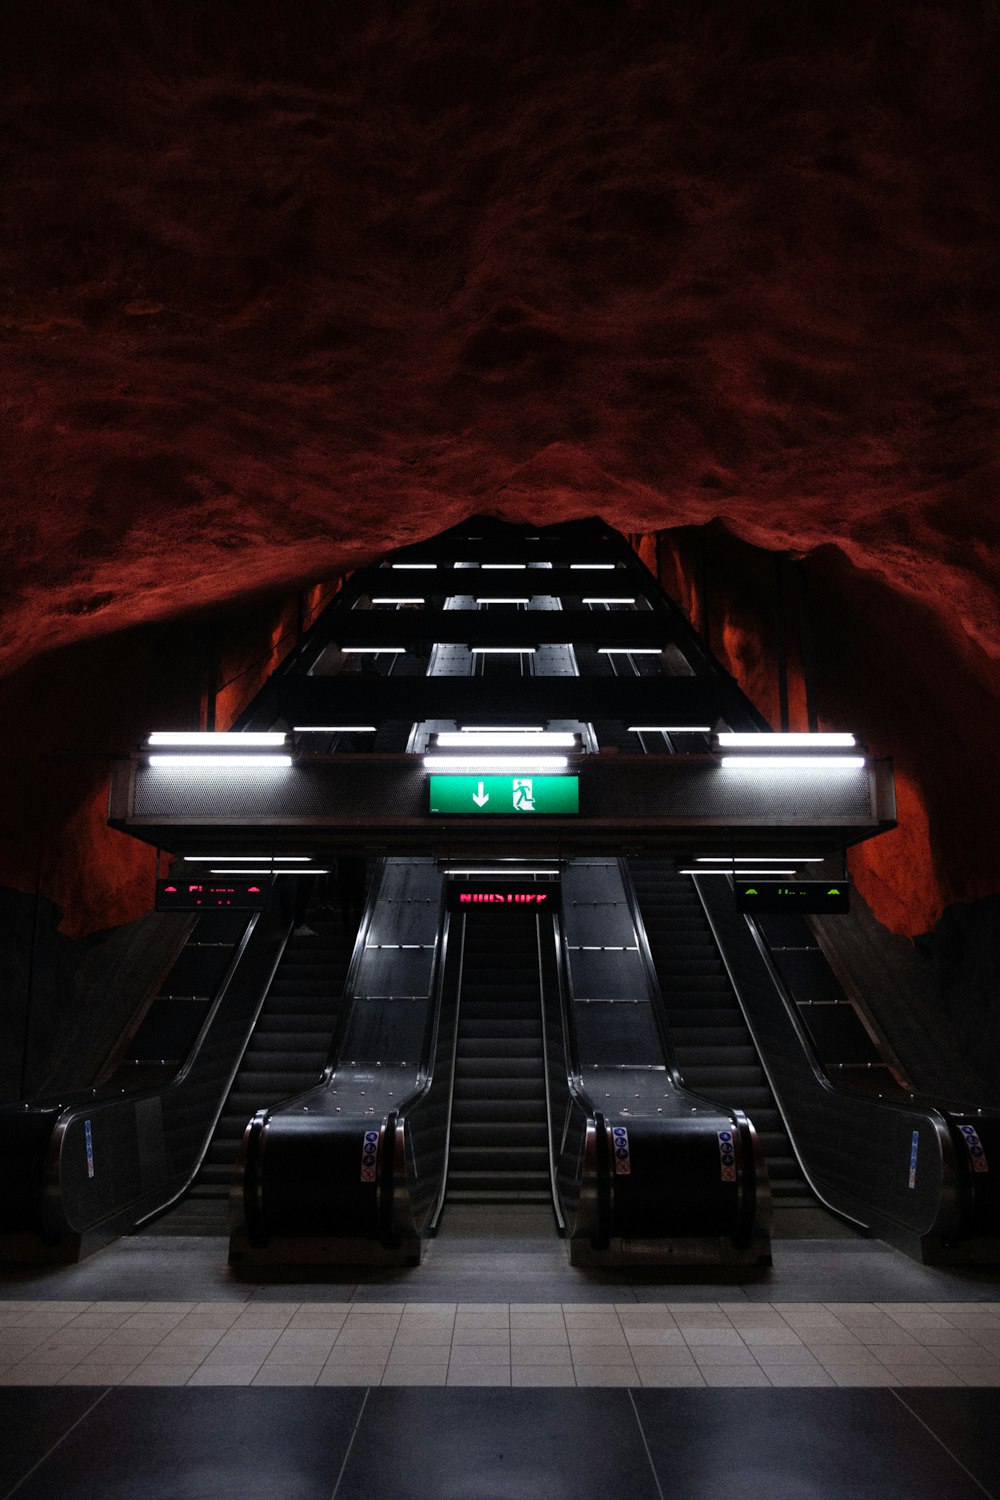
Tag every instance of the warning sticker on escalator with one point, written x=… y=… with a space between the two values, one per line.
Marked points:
x=727 y=1155
x=623 y=1165
x=368 y=1151
x=976 y=1151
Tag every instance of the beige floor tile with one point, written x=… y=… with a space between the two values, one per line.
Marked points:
x=415 y=1375
x=977 y=1374
x=883 y=1336
x=786 y=1357
x=325 y=1315
x=914 y=1375
x=357 y=1354
x=45 y=1320
x=680 y=1359
x=304 y=1341
x=540 y=1354
x=114 y=1306
x=480 y=1337
x=479 y=1375
x=894 y=1356
x=825 y=1338
x=469 y=1355
x=353 y=1375
x=732 y=1375
x=798 y=1375
x=944 y=1337
x=152 y=1323
x=286 y=1375
x=720 y=1337
x=722 y=1354
x=601 y=1354
x=667 y=1375
x=617 y=1375
x=424 y=1338
x=99 y=1320
x=167 y=1307
x=361 y=1338
x=213 y=1315
x=655 y=1337
x=425 y=1354
x=127 y=1338
x=192 y=1338
x=34 y=1374
x=97 y=1374
x=770 y=1338
x=526 y=1338
x=863 y=1375
x=542 y=1375
x=224 y=1375
x=160 y=1375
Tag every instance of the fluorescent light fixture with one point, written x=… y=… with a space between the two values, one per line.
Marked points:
x=753 y=741
x=505 y=738
x=504 y=567
x=267 y=872
x=505 y=728
x=598 y=567
x=219 y=762
x=741 y=872
x=630 y=650
x=207 y=859
x=503 y=601
x=763 y=859
x=793 y=762
x=512 y=764
x=609 y=601
x=241 y=739
x=500 y=874
x=670 y=729
x=413 y=567
x=502 y=650
x=372 y=650
x=399 y=601
x=334 y=728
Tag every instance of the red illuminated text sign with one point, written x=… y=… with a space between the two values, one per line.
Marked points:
x=469 y=898
x=526 y=895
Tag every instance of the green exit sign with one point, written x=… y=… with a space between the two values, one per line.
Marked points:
x=507 y=796
x=766 y=897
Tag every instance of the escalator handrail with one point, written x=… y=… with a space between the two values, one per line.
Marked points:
x=953 y=1181
x=656 y=1000
x=553 y=1161
x=348 y=993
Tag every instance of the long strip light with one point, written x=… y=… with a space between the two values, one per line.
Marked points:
x=334 y=728
x=669 y=728
x=504 y=567
x=501 y=874
x=734 y=740
x=629 y=650
x=208 y=859
x=491 y=728
x=597 y=567
x=740 y=873
x=792 y=762
x=408 y=600
x=762 y=859
x=499 y=763
x=219 y=762
x=465 y=739
x=503 y=650
x=267 y=872
x=372 y=650
x=503 y=601
x=608 y=601
x=412 y=567
x=242 y=738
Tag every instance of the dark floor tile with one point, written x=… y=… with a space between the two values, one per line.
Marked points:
x=518 y=1444
x=783 y=1445
x=32 y=1420
x=966 y=1423
x=227 y=1444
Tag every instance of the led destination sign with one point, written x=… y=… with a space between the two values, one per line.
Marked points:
x=505 y=796
x=770 y=896
x=522 y=895
x=210 y=895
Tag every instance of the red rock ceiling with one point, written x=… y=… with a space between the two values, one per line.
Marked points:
x=283 y=286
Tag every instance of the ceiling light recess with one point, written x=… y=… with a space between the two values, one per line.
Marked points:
x=504 y=739
x=763 y=859
x=408 y=600
x=208 y=859
x=372 y=650
x=241 y=739
x=629 y=650
x=503 y=650
x=591 y=600
x=219 y=762
x=739 y=740
x=334 y=728
x=506 y=728
x=511 y=764
x=792 y=762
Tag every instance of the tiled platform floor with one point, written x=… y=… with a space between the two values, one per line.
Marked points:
x=663 y=1343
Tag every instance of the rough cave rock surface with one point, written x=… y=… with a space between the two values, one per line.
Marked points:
x=282 y=287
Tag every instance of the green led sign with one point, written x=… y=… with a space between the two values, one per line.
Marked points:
x=770 y=896
x=505 y=796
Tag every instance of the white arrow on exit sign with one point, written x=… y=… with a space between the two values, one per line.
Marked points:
x=479 y=797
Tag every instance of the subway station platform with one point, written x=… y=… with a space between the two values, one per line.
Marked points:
x=496 y=1369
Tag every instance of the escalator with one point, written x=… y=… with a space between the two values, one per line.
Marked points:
x=286 y=1054
x=713 y=1048
x=499 y=1147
